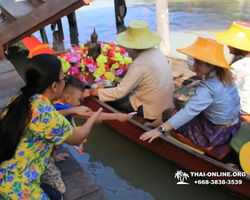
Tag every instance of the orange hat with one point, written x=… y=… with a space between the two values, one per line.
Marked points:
x=208 y=51
x=36 y=47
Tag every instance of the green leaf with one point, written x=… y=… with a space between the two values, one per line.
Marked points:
x=30 y=145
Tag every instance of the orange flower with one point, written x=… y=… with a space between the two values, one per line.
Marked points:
x=1 y=176
x=43 y=98
x=41 y=147
x=35 y=114
x=33 y=167
x=26 y=195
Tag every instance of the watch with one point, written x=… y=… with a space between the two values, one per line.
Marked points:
x=161 y=129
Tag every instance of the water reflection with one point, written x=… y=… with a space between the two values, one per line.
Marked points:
x=113 y=186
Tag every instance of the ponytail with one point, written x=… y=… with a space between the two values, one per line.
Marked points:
x=14 y=120
x=41 y=72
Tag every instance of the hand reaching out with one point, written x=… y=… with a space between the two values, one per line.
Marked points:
x=123 y=117
x=83 y=111
x=61 y=157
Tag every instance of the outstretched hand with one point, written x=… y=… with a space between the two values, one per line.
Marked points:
x=151 y=135
x=123 y=117
x=97 y=116
x=83 y=111
x=61 y=157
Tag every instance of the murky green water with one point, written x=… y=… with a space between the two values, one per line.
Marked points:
x=123 y=169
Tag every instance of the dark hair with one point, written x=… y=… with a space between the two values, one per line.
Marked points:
x=238 y=55
x=41 y=72
x=74 y=82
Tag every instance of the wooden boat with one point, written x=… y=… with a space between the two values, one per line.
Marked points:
x=188 y=158
x=171 y=149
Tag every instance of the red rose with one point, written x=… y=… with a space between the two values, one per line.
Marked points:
x=88 y=61
x=112 y=44
x=107 y=67
x=122 y=51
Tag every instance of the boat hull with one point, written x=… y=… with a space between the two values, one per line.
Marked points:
x=173 y=151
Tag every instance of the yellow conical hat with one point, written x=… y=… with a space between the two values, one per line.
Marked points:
x=138 y=36
x=208 y=51
x=245 y=157
x=238 y=36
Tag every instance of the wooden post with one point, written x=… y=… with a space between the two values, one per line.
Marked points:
x=44 y=36
x=163 y=25
x=60 y=29
x=2 y=56
x=72 y=19
x=73 y=31
x=120 y=11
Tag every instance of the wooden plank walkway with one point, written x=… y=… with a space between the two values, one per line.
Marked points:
x=41 y=16
x=10 y=80
x=79 y=185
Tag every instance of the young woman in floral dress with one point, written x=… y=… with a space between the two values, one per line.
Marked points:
x=30 y=127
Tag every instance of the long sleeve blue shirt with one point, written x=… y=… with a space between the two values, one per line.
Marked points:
x=220 y=104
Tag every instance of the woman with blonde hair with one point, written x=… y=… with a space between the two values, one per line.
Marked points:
x=212 y=116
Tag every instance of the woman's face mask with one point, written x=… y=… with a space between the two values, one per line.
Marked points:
x=190 y=62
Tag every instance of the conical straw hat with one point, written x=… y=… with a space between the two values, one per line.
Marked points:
x=245 y=157
x=208 y=51
x=238 y=36
x=138 y=36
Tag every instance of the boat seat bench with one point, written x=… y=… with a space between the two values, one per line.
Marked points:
x=217 y=152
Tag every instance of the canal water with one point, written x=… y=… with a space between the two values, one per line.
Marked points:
x=123 y=169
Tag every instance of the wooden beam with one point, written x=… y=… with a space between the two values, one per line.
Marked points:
x=36 y=2
x=7 y=15
x=17 y=9
x=162 y=15
x=2 y=56
x=42 y=16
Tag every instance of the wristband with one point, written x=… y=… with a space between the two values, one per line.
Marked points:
x=91 y=91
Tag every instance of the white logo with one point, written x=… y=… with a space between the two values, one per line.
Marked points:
x=182 y=177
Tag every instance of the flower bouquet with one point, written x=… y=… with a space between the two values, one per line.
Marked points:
x=109 y=66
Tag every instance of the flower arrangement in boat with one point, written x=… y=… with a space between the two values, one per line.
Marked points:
x=112 y=62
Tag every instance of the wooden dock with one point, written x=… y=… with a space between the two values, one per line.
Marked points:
x=10 y=80
x=79 y=185
x=23 y=18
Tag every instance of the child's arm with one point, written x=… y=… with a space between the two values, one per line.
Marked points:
x=115 y=116
x=82 y=111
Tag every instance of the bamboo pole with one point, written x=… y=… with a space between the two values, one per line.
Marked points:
x=163 y=25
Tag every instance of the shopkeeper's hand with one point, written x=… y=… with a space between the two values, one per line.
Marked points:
x=151 y=135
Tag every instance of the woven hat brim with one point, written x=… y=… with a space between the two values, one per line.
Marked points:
x=138 y=44
x=232 y=42
x=189 y=51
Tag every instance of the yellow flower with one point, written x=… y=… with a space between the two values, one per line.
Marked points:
x=118 y=57
x=99 y=72
x=127 y=60
x=110 y=76
x=65 y=64
x=101 y=60
x=115 y=66
x=106 y=47
x=82 y=65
